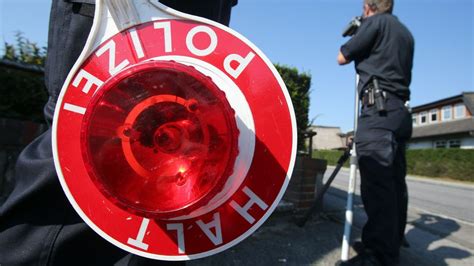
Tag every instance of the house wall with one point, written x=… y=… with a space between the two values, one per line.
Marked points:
x=467 y=142
x=327 y=138
x=423 y=144
x=417 y=115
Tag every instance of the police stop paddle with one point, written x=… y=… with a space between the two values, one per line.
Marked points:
x=174 y=137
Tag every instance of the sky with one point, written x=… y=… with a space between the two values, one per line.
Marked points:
x=306 y=34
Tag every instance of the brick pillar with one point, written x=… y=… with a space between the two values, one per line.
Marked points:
x=306 y=181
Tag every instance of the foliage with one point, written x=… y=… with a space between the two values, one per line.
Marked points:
x=23 y=94
x=298 y=85
x=450 y=163
x=25 y=51
x=332 y=156
x=438 y=163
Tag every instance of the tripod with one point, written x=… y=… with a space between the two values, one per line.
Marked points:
x=340 y=163
x=350 y=152
x=352 y=181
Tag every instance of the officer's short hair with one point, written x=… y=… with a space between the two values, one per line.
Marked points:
x=381 y=6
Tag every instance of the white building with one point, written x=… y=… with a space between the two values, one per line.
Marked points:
x=328 y=138
x=446 y=123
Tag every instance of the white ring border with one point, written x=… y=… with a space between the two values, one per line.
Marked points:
x=89 y=46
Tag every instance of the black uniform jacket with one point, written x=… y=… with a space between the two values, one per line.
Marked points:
x=383 y=48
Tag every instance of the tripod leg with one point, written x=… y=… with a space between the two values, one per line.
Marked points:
x=326 y=186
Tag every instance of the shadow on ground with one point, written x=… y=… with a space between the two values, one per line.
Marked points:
x=425 y=237
x=280 y=241
x=430 y=236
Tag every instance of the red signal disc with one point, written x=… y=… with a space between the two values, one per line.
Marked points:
x=216 y=216
x=159 y=139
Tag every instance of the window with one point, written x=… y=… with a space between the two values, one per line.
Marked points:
x=455 y=143
x=434 y=115
x=459 y=111
x=439 y=144
x=414 y=119
x=423 y=118
x=447 y=113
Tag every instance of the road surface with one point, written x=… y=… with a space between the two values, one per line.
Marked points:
x=440 y=216
x=453 y=200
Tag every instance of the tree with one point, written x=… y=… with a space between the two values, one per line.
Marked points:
x=22 y=89
x=24 y=51
x=23 y=93
x=298 y=85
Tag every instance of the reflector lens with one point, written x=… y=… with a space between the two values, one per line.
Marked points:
x=159 y=139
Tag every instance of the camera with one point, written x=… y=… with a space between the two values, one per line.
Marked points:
x=352 y=26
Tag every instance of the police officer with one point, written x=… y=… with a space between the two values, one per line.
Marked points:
x=382 y=49
x=38 y=226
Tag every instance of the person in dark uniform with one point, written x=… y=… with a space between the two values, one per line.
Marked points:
x=38 y=226
x=382 y=49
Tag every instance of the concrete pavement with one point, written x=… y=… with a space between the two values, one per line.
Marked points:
x=435 y=239
x=280 y=242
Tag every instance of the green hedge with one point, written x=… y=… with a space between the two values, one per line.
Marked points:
x=329 y=155
x=23 y=94
x=22 y=90
x=450 y=163
x=444 y=163
x=298 y=84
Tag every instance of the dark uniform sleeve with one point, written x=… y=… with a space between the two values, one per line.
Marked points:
x=217 y=10
x=360 y=45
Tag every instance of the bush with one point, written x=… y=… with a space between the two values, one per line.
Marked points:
x=298 y=85
x=331 y=156
x=22 y=89
x=25 y=51
x=439 y=163
x=451 y=163
x=23 y=94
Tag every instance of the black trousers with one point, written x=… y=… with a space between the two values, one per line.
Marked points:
x=381 y=142
x=38 y=226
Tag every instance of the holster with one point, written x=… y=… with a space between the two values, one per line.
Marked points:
x=374 y=95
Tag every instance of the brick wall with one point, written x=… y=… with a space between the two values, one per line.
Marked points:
x=306 y=182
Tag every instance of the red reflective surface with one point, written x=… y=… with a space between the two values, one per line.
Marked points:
x=159 y=139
